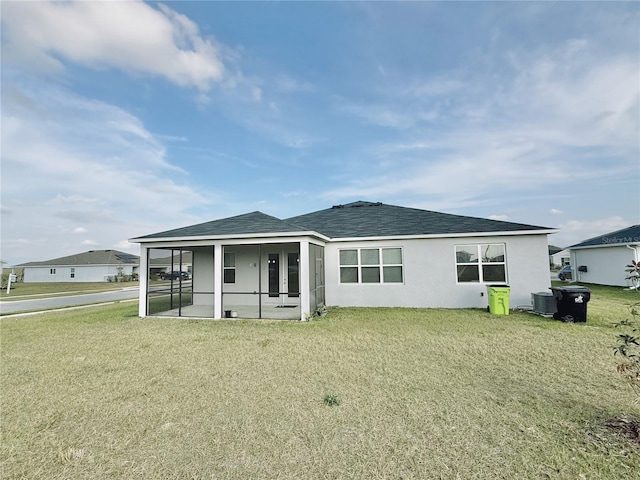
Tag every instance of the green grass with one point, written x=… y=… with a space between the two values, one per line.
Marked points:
x=359 y=393
x=607 y=304
x=18 y=291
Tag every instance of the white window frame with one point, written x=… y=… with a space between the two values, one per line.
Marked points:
x=380 y=265
x=52 y=271
x=480 y=263
x=72 y=273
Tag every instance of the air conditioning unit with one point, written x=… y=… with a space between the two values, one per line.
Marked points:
x=544 y=303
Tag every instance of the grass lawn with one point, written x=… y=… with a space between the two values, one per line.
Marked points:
x=19 y=291
x=415 y=393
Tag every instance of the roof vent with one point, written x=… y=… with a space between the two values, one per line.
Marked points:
x=362 y=203
x=338 y=206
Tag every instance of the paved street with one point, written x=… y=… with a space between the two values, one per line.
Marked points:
x=7 y=308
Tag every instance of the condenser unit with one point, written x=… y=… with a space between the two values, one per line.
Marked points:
x=544 y=303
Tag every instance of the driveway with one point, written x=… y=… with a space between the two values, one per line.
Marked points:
x=7 y=308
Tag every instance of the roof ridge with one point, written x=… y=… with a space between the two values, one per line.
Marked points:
x=112 y=257
x=353 y=220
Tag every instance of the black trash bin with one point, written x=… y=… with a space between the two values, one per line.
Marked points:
x=572 y=303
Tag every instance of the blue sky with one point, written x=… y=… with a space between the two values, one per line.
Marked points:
x=121 y=119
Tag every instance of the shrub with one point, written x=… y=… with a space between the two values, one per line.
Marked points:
x=628 y=348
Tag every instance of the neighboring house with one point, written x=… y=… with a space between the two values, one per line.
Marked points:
x=603 y=259
x=558 y=256
x=91 y=266
x=170 y=263
x=360 y=254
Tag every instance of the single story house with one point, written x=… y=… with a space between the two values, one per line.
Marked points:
x=360 y=254
x=602 y=259
x=558 y=256
x=161 y=265
x=91 y=266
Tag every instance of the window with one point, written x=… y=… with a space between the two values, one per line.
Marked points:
x=371 y=265
x=73 y=272
x=52 y=271
x=229 y=267
x=482 y=263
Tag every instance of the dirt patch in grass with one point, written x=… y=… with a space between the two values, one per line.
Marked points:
x=625 y=427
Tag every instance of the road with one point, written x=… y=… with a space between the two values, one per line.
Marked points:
x=7 y=308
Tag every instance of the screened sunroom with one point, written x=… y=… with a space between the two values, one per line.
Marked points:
x=233 y=279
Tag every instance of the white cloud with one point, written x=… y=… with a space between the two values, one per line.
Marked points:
x=288 y=84
x=131 y=36
x=256 y=94
x=381 y=115
x=555 y=211
x=553 y=120
x=576 y=231
x=88 y=163
x=503 y=218
x=125 y=245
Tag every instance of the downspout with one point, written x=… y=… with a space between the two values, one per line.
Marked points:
x=635 y=258
x=143 y=280
x=260 y=280
x=179 y=286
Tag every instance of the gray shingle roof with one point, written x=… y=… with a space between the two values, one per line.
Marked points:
x=625 y=236
x=553 y=249
x=249 y=223
x=368 y=219
x=92 y=257
x=187 y=257
x=357 y=219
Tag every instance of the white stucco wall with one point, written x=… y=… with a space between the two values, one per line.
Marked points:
x=84 y=273
x=247 y=275
x=202 y=276
x=430 y=278
x=246 y=266
x=558 y=257
x=605 y=265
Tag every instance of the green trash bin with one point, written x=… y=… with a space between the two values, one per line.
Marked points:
x=499 y=299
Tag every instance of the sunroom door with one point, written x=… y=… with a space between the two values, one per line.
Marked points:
x=282 y=277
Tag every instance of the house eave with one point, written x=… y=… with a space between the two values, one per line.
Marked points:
x=444 y=235
x=258 y=236
x=55 y=265
x=606 y=245
x=248 y=236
